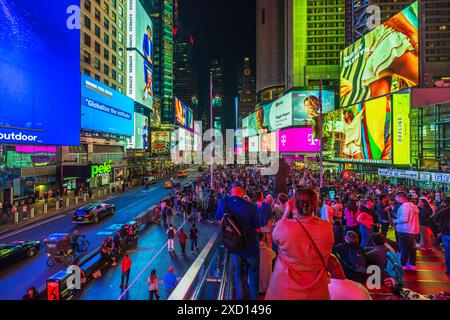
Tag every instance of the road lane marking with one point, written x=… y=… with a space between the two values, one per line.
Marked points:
x=38 y=224
x=148 y=264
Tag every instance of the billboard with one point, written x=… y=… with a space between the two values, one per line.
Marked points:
x=139 y=54
x=385 y=60
x=160 y=142
x=253 y=144
x=297 y=140
x=295 y=108
x=181 y=113
x=141 y=130
x=155 y=116
x=401 y=129
x=39 y=73
x=104 y=109
x=268 y=142
x=366 y=134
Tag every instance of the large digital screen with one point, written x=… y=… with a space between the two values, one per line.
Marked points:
x=160 y=142
x=268 y=142
x=141 y=130
x=298 y=140
x=104 y=109
x=253 y=144
x=39 y=73
x=181 y=113
x=295 y=108
x=401 y=129
x=385 y=60
x=140 y=53
x=366 y=133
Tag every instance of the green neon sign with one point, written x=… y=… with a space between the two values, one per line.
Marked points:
x=98 y=170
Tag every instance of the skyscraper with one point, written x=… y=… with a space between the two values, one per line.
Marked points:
x=103 y=45
x=435 y=49
x=315 y=35
x=247 y=92
x=162 y=17
x=185 y=79
x=270 y=50
x=216 y=70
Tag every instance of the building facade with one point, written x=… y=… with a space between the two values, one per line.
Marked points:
x=247 y=91
x=162 y=17
x=315 y=35
x=103 y=43
x=216 y=68
x=270 y=49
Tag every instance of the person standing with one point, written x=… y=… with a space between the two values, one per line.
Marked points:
x=326 y=212
x=425 y=213
x=407 y=227
x=152 y=282
x=267 y=255
x=442 y=218
x=182 y=238
x=193 y=236
x=304 y=246
x=246 y=264
x=383 y=211
x=367 y=221
x=126 y=267
x=170 y=281
x=171 y=231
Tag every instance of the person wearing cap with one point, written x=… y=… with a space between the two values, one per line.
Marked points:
x=352 y=257
x=170 y=281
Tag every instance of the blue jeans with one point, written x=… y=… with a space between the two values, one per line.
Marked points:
x=365 y=235
x=246 y=268
x=446 y=242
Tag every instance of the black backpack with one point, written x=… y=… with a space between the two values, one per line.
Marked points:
x=357 y=260
x=171 y=234
x=234 y=236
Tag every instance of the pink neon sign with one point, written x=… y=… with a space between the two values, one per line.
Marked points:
x=35 y=149
x=298 y=140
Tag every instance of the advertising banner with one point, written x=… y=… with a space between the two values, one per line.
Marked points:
x=298 y=140
x=160 y=142
x=104 y=109
x=253 y=144
x=366 y=134
x=181 y=113
x=268 y=142
x=140 y=138
x=306 y=106
x=39 y=73
x=139 y=54
x=384 y=61
x=401 y=129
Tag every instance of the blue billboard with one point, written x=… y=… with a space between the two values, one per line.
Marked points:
x=39 y=72
x=104 y=109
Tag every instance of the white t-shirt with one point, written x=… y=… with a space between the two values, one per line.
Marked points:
x=347 y=290
x=352 y=131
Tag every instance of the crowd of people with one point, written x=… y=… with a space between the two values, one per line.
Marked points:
x=309 y=243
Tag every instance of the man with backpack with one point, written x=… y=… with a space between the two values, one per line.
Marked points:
x=240 y=233
x=352 y=258
x=171 y=231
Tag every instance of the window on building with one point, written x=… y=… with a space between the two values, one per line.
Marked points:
x=114 y=17
x=87 y=5
x=106 y=82
x=97 y=15
x=106 y=54
x=106 y=8
x=120 y=37
x=114 y=3
x=121 y=52
x=120 y=79
x=106 y=39
x=87 y=40
x=120 y=24
x=114 y=31
x=87 y=72
x=87 y=57
x=106 y=24
x=113 y=60
x=114 y=86
x=106 y=69
x=97 y=31
x=120 y=10
x=113 y=45
x=97 y=47
x=97 y=77
x=87 y=22
x=97 y=64
x=121 y=65
x=113 y=74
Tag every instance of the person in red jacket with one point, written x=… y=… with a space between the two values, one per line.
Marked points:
x=183 y=239
x=126 y=266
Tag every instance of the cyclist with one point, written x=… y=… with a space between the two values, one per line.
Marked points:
x=75 y=241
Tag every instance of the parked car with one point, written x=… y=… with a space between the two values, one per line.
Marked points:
x=16 y=251
x=93 y=212
x=182 y=174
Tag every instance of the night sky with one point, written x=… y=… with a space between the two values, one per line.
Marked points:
x=221 y=28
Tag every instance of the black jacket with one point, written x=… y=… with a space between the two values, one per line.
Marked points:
x=442 y=218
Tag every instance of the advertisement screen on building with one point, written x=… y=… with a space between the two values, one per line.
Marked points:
x=384 y=61
x=253 y=144
x=306 y=106
x=39 y=73
x=140 y=137
x=140 y=54
x=298 y=140
x=401 y=129
x=155 y=115
x=366 y=134
x=181 y=113
x=104 y=109
x=268 y=142
x=160 y=142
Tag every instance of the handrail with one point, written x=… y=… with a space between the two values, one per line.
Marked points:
x=224 y=282
x=186 y=289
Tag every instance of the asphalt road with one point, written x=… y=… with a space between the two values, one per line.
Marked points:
x=15 y=279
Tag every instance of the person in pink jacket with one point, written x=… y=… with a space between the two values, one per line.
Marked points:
x=304 y=245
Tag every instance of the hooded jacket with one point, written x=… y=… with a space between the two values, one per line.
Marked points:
x=407 y=219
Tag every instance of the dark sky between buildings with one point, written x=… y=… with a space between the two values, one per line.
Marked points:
x=221 y=28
